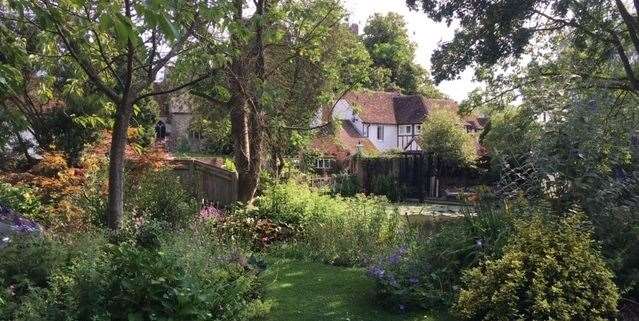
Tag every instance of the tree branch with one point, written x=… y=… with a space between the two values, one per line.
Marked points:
x=321 y=111
x=630 y=22
x=176 y=88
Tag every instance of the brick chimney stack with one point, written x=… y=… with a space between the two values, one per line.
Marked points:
x=355 y=29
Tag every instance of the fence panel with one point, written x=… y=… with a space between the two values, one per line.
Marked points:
x=210 y=183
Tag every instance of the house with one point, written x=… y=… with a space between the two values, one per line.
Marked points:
x=373 y=122
x=176 y=115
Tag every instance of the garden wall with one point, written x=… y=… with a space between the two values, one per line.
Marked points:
x=208 y=182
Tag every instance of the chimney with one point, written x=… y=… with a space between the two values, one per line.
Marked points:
x=354 y=28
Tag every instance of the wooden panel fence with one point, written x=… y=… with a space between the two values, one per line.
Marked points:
x=211 y=184
x=414 y=175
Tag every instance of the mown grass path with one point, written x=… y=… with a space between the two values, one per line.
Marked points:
x=307 y=291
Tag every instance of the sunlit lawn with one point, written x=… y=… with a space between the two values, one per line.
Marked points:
x=306 y=291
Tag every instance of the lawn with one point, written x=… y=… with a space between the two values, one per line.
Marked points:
x=306 y=291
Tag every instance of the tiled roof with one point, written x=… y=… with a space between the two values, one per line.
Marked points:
x=373 y=106
x=394 y=108
x=344 y=143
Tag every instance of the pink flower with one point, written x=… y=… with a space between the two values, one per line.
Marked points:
x=210 y=212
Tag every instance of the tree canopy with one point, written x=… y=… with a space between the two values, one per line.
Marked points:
x=492 y=32
x=443 y=135
x=393 y=54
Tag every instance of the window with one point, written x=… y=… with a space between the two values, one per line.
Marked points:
x=380 y=132
x=365 y=130
x=408 y=129
x=324 y=163
x=418 y=128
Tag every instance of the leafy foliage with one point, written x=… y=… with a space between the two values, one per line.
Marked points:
x=393 y=54
x=188 y=276
x=425 y=270
x=491 y=33
x=443 y=135
x=22 y=199
x=336 y=230
x=548 y=271
x=345 y=184
x=151 y=200
x=385 y=185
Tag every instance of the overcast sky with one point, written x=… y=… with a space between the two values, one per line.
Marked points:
x=423 y=31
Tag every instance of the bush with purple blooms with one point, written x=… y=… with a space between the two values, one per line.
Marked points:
x=425 y=271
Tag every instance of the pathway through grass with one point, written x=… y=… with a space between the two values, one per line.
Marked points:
x=305 y=291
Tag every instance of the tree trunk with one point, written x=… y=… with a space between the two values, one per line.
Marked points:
x=246 y=128
x=115 y=209
x=255 y=144
x=246 y=162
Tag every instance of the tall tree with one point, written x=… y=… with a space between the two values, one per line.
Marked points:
x=121 y=47
x=386 y=38
x=288 y=59
x=492 y=32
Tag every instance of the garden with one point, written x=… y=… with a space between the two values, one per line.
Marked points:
x=95 y=224
x=298 y=252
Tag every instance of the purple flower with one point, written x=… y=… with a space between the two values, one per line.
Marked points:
x=413 y=280
x=376 y=271
x=392 y=281
x=402 y=308
x=397 y=255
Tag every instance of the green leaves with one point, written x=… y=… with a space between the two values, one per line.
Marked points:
x=443 y=134
x=10 y=79
x=386 y=39
x=168 y=28
x=156 y=16
x=122 y=27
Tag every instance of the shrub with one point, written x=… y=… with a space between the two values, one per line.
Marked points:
x=189 y=276
x=360 y=231
x=93 y=197
x=28 y=265
x=385 y=185
x=443 y=135
x=55 y=185
x=345 y=184
x=426 y=269
x=21 y=199
x=336 y=230
x=28 y=262
x=51 y=165
x=549 y=271
x=292 y=202
x=159 y=196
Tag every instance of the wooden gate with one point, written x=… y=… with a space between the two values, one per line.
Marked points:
x=413 y=174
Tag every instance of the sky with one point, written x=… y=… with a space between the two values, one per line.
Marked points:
x=424 y=32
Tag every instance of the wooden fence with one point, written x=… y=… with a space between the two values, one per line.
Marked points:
x=414 y=175
x=208 y=182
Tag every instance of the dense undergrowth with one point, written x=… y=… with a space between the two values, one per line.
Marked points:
x=174 y=259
